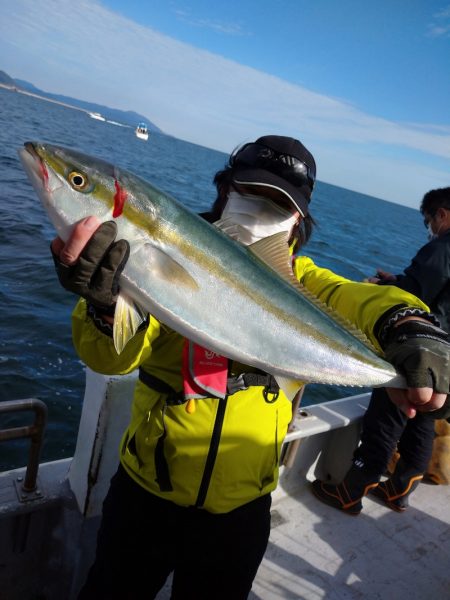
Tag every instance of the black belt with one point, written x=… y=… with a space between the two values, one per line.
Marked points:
x=234 y=384
x=154 y=383
x=246 y=380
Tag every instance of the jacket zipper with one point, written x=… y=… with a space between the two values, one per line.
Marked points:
x=212 y=453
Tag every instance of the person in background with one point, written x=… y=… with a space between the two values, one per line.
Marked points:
x=385 y=428
x=428 y=275
x=192 y=494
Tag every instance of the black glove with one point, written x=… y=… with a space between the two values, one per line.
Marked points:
x=421 y=352
x=95 y=276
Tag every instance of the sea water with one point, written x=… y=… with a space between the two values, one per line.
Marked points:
x=355 y=234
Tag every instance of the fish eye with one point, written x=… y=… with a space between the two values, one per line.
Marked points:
x=78 y=181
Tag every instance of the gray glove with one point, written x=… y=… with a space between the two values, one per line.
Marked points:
x=95 y=276
x=421 y=352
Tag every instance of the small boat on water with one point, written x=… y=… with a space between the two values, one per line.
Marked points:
x=141 y=131
x=96 y=115
x=50 y=512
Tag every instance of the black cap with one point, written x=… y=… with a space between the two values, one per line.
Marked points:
x=279 y=162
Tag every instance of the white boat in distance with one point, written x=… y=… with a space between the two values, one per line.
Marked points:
x=96 y=115
x=141 y=131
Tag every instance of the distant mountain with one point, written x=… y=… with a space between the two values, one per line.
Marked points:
x=6 y=79
x=127 y=117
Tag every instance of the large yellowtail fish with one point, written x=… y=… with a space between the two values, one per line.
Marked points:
x=241 y=302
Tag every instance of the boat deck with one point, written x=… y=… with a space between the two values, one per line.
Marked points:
x=316 y=552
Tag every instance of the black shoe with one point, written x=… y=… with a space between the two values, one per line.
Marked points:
x=347 y=496
x=395 y=491
x=337 y=497
x=397 y=504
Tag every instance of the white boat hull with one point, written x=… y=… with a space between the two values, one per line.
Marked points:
x=97 y=116
x=141 y=136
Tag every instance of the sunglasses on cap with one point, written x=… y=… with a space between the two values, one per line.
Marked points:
x=284 y=165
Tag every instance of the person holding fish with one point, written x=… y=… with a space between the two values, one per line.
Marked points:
x=227 y=321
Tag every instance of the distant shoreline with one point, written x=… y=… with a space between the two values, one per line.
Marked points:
x=13 y=88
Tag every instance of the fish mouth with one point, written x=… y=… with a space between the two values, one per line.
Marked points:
x=33 y=164
x=31 y=149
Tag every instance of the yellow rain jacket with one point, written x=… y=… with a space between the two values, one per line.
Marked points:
x=226 y=453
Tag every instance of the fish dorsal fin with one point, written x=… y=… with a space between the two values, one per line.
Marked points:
x=127 y=319
x=339 y=319
x=274 y=251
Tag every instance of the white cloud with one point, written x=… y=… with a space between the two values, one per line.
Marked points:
x=440 y=27
x=86 y=51
x=233 y=29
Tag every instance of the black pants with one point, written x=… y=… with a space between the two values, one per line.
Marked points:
x=385 y=428
x=143 y=538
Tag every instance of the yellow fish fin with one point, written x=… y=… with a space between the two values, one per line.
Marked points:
x=274 y=251
x=289 y=386
x=127 y=319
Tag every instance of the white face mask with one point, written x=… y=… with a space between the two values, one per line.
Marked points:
x=248 y=218
x=430 y=233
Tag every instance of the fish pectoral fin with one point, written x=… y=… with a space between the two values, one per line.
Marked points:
x=290 y=387
x=163 y=266
x=127 y=319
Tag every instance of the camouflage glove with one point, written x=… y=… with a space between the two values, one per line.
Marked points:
x=95 y=276
x=421 y=352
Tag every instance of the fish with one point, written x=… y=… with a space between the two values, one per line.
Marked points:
x=242 y=302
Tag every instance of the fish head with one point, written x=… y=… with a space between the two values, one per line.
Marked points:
x=72 y=185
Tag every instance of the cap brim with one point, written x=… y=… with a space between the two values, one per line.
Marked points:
x=266 y=178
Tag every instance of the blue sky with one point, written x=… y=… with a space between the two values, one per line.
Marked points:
x=364 y=85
